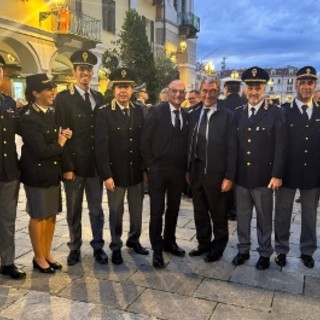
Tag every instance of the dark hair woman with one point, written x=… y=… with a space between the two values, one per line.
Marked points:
x=42 y=157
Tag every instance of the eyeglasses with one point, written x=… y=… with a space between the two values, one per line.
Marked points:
x=175 y=91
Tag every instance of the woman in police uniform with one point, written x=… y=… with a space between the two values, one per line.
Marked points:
x=41 y=167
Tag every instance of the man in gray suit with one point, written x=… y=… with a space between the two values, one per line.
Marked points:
x=9 y=183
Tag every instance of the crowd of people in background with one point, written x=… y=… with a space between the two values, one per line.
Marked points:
x=238 y=154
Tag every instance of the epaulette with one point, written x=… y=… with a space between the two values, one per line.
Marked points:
x=71 y=88
x=35 y=107
x=241 y=107
x=102 y=107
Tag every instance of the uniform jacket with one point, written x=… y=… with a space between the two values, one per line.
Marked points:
x=41 y=155
x=156 y=140
x=302 y=168
x=73 y=113
x=118 y=144
x=221 y=151
x=8 y=128
x=233 y=101
x=261 y=146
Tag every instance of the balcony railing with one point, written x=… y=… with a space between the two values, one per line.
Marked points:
x=189 y=19
x=69 y=22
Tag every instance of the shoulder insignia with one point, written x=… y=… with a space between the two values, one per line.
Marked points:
x=102 y=107
x=71 y=88
x=35 y=108
x=113 y=104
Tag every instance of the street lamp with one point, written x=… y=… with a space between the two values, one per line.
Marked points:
x=209 y=67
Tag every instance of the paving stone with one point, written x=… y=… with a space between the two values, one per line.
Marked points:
x=42 y=282
x=39 y=306
x=107 y=293
x=220 y=270
x=268 y=279
x=297 y=306
x=228 y=292
x=99 y=313
x=312 y=286
x=166 y=280
x=230 y=312
x=165 y=305
x=296 y=265
x=9 y=295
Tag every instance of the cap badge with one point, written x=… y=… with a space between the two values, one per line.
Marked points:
x=308 y=71
x=254 y=72
x=123 y=73
x=85 y=56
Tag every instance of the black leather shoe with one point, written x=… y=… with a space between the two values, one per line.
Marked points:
x=240 y=258
x=137 y=247
x=281 y=259
x=263 y=263
x=197 y=252
x=73 y=257
x=55 y=265
x=157 y=260
x=116 y=257
x=100 y=256
x=213 y=256
x=42 y=270
x=13 y=272
x=174 y=249
x=307 y=260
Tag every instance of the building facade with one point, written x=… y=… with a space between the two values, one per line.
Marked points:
x=40 y=35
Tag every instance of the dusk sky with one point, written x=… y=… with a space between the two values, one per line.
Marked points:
x=267 y=33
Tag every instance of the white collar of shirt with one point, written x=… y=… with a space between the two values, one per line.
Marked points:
x=309 y=104
x=212 y=110
x=44 y=110
x=123 y=107
x=257 y=107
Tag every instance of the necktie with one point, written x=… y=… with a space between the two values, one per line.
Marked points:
x=253 y=111
x=126 y=114
x=87 y=100
x=202 y=139
x=177 y=122
x=304 y=112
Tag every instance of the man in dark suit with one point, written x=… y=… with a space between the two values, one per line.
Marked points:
x=164 y=149
x=302 y=169
x=9 y=182
x=212 y=164
x=261 y=156
x=75 y=110
x=117 y=135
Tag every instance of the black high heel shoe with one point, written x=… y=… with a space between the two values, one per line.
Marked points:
x=55 y=265
x=42 y=270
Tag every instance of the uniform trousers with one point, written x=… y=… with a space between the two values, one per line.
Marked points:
x=261 y=199
x=283 y=214
x=8 y=205
x=164 y=181
x=116 y=208
x=210 y=213
x=93 y=187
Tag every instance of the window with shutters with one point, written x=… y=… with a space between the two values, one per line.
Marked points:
x=109 y=15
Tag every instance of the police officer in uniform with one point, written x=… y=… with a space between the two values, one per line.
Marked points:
x=117 y=135
x=9 y=182
x=302 y=169
x=75 y=110
x=261 y=156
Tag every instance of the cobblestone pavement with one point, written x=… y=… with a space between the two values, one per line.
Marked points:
x=188 y=288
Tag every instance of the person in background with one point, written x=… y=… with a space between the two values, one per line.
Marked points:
x=194 y=99
x=164 y=150
x=163 y=95
x=9 y=182
x=211 y=167
x=232 y=89
x=302 y=170
x=118 y=129
x=75 y=110
x=316 y=96
x=260 y=166
x=41 y=167
x=142 y=97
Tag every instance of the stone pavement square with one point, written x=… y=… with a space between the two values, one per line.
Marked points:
x=188 y=288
